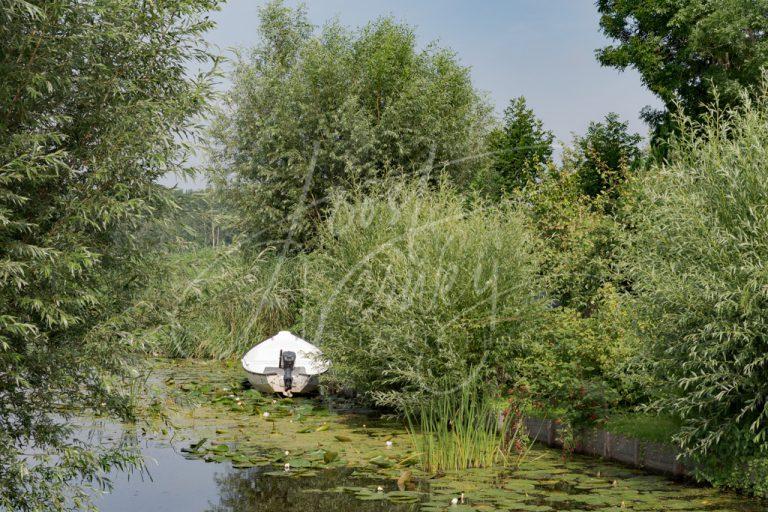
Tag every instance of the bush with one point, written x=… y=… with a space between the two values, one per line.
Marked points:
x=698 y=265
x=580 y=239
x=413 y=284
x=582 y=358
x=580 y=366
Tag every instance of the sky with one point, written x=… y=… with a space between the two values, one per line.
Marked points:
x=541 y=49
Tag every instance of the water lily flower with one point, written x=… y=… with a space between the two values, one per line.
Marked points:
x=266 y=414
x=380 y=489
x=287 y=467
x=389 y=444
x=287 y=452
x=455 y=501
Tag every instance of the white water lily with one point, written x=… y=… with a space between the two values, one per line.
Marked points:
x=266 y=414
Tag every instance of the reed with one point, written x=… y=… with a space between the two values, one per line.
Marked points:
x=463 y=427
x=211 y=303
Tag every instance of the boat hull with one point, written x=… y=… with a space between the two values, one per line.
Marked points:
x=273 y=383
x=266 y=366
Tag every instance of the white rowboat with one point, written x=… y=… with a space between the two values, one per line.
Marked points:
x=284 y=364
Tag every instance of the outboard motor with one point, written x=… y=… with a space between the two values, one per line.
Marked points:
x=287 y=360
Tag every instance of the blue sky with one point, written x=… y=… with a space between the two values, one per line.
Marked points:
x=541 y=49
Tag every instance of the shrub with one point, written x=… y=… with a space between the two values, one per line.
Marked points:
x=698 y=265
x=413 y=284
x=580 y=365
x=580 y=239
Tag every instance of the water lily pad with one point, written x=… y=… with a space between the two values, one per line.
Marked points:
x=194 y=447
x=381 y=461
x=403 y=496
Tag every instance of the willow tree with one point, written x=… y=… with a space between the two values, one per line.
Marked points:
x=311 y=111
x=697 y=263
x=95 y=97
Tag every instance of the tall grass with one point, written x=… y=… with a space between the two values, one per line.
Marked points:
x=463 y=428
x=212 y=303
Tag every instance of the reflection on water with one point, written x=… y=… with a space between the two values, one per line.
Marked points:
x=175 y=483
x=171 y=483
x=250 y=490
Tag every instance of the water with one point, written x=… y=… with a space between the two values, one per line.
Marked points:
x=546 y=483
x=173 y=480
x=335 y=464
x=179 y=484
x=171 y=483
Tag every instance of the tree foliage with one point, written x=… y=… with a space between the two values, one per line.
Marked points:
x=698 y=267
x=94 y=96
x=687 y=51
x=520 y=150
x=311 y=111
x=604 y=156
x=197 y=219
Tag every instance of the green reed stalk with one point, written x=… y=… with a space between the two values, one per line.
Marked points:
x=461 y=428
